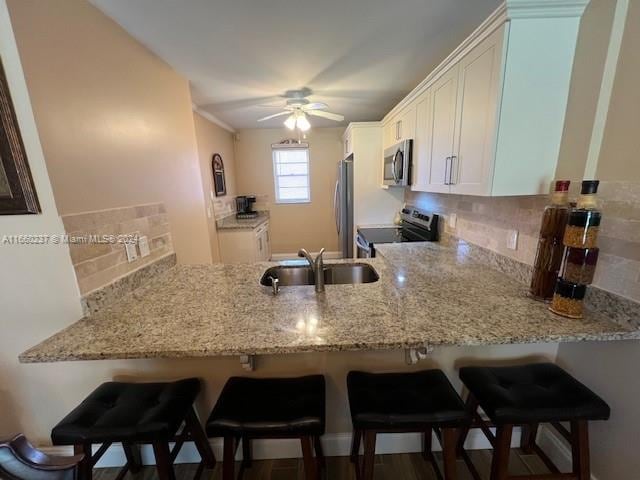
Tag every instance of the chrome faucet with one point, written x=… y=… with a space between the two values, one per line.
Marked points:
x=317 y=267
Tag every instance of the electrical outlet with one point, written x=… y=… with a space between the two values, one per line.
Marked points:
x=453 y=220
x=132 y=252
x=143 y=245
x=512 y=240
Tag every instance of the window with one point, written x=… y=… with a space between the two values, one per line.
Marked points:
x=291 y=174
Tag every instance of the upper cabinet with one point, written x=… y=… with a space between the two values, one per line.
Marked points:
x=489 y=120
x=400 y=127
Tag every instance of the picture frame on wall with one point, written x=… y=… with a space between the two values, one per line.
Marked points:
x=219 y=182
x=17 y=191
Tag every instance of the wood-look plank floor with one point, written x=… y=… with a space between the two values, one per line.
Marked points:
x=409 y=466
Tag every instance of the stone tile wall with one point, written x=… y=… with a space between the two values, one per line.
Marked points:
x=487 y=222
x=100 y=264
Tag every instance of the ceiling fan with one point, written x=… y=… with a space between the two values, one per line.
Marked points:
x=298 y=107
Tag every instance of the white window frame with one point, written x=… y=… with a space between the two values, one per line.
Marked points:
x=300 y=147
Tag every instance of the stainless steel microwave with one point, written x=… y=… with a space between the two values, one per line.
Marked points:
x=397 y=164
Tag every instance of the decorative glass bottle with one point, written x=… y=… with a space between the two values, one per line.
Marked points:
x=580 y=240
x=549 y=255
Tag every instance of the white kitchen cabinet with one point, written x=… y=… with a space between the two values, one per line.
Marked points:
x=471 y=165
x=422 y=142
x=390 y=132
x=442 y=130
x=245 y=245
x=489 y=119
x=347 y=143
x=400 y=127
x=407 y=127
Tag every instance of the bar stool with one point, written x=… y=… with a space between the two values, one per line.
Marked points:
x=250 y=408
x=528 y=395
x=19 y=460
x=133 y=414
x=405 y=402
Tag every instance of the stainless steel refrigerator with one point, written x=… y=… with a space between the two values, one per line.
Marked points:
x=343 y=206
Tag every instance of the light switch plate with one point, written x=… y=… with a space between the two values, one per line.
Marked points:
x=143 y=245
x=453 y=220
x=132 y=252
x=512 y=240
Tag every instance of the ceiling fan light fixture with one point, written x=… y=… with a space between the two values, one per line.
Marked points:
x=290 y=122
x=302 y=123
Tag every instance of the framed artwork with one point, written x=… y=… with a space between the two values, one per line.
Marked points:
x=17 y=192
x=219 y=183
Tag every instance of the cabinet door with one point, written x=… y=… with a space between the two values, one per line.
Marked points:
x=389 y=133
x=422 y=143
x=348 y=147
x=407 y=125
x=443 y=119
x=479 y=73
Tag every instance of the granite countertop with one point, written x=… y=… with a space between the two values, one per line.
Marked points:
x=233 y=223
x=427 y=294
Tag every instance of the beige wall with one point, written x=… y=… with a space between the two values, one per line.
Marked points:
x=586 y=77
x=115 y=121
x=620 y=154
x=293 y=226
x=212 y=138
x=611 y=368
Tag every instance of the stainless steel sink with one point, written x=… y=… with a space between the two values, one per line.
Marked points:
x=337 y=273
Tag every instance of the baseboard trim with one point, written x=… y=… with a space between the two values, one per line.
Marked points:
x=278 y=257
x=335 y=444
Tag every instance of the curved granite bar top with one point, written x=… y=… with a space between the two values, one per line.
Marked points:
x=427 y=294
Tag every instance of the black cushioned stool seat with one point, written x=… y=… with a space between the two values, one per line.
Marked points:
x=532 y=393
x=251 y=408
x=134 y=413
x=404 y=402
x=528 y=395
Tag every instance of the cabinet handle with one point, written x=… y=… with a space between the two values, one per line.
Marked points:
x=451 y=182
x=447 y=173
x=399 y=129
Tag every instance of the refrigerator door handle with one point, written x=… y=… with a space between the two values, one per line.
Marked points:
x=336 y=206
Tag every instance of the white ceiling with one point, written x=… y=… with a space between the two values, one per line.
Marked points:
x=358 y=56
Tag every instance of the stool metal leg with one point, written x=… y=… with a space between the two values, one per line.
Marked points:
x=132 y=452
x=501 y=450
x=449 y=438
x=427 y=446
x=85 y=470
x=317 y=445
x=369 y=454
x=355 y=445
x=310 y=465
x=247 y=452
x=471 y=405
x=228 y=459
x=528 y=438
x=164 y=464
x=200 y=439
x=580 y=449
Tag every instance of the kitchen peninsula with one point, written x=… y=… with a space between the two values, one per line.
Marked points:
x=436 y=294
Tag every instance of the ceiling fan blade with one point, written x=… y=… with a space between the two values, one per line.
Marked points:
x=269 y=117
x=331 y=116
x=315 y=106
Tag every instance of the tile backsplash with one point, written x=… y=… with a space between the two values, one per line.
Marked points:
x=99 y=264
x=489 y=222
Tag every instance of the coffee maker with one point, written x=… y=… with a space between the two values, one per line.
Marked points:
x=244 y=207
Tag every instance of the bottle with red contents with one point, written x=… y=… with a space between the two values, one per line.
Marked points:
x=550 y=248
